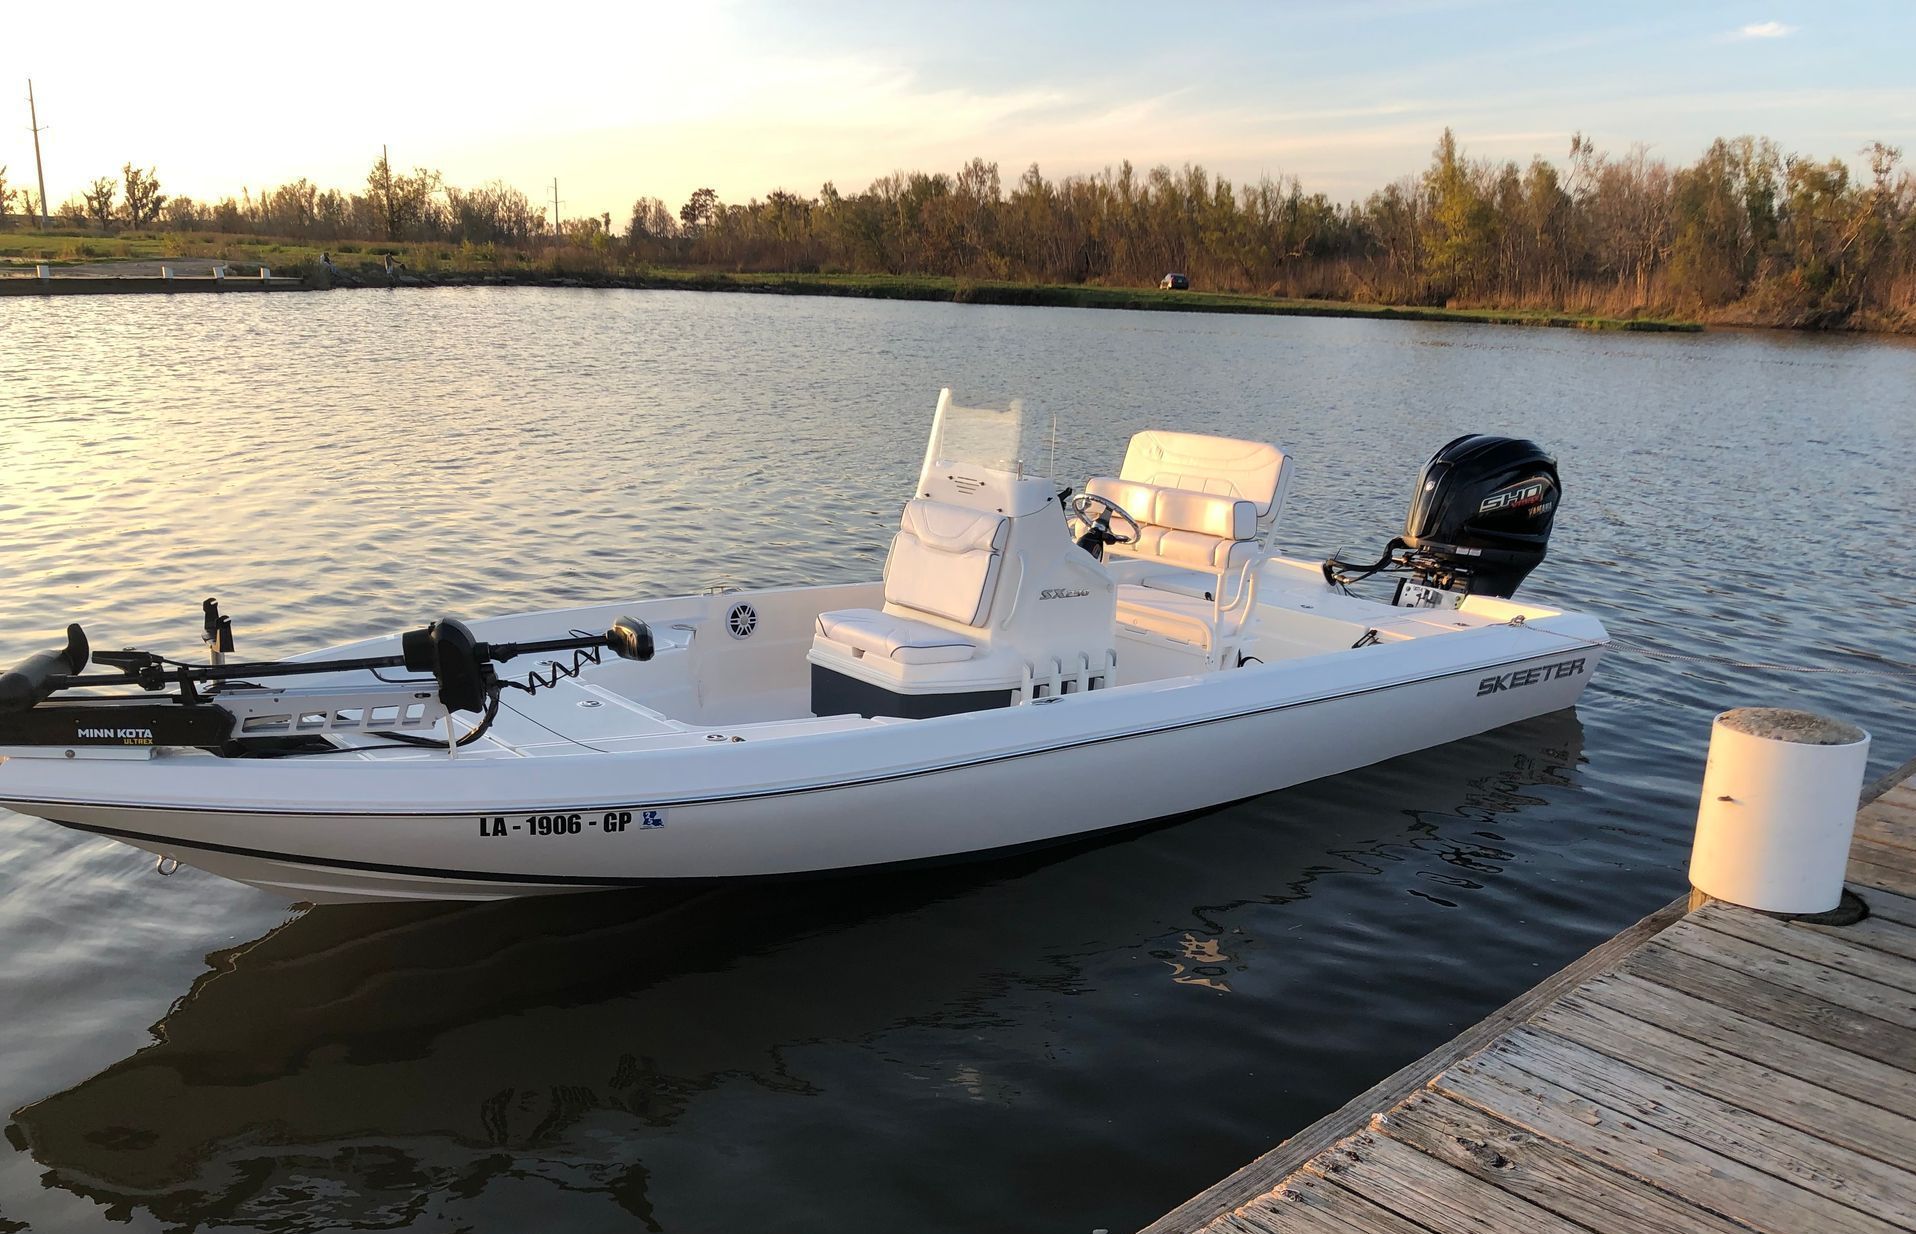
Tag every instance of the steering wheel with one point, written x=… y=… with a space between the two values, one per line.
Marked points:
x=1098 y=531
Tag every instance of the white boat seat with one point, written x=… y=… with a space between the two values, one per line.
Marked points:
x=944 y=563
x=1199 y=584
x=1193 y=531
x=894 y=637
x=1254 y=471
x=1201 y=502
x=1181 y=618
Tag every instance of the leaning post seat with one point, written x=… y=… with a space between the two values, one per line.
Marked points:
x=1205 y=508
x=926 y=652
x=1217 y=488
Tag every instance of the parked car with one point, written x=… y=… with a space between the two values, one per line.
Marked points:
x=1174 y=282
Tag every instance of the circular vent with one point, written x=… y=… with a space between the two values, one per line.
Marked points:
x=742 y=620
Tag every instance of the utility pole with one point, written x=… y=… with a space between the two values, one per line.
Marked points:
x=555 y=207
x=386 y=162
x=33 y=118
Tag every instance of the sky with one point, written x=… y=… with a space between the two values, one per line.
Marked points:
x=621 y=101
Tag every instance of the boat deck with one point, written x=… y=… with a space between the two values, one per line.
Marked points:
x=1719 y=1070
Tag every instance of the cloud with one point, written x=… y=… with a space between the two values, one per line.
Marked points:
x=1766 y=30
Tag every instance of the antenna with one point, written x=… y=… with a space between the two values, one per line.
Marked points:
x=555 y=207
x=1052 y=471
x=33 y=118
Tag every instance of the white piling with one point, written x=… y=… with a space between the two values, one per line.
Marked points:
x=1779 y=804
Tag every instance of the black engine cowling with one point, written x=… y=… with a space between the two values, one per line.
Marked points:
x=1480 y=519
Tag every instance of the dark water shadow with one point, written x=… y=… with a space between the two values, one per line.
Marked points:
x=375 y=1067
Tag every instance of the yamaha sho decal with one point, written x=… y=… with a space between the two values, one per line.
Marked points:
x=1532 y=496
x=1519 y=678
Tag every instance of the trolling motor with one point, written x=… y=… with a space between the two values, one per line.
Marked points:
x=220 y=706
x=1479 y=523
x=34 y=678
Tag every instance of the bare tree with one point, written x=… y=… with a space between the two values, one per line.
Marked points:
x=1745 y=233
x=143 y=196
x=99 y=200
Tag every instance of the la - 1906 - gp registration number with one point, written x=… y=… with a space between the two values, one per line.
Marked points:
x=606 y=822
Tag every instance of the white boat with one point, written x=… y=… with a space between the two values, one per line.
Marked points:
x=1031 y=668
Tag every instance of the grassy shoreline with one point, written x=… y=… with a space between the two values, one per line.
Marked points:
x=1052 y=295
x=361 y=265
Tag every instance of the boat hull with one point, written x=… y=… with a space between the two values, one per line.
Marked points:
x=894 y=795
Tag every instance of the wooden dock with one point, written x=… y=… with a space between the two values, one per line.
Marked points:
x=141 y=278
x=1721 y=1071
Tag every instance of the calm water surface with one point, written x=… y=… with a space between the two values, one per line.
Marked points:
x=1065 y=1043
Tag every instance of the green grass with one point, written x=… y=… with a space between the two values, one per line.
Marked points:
x=441 y=263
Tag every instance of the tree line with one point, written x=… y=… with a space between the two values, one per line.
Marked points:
x=1746 y=230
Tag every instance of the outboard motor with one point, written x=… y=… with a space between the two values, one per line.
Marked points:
x=1480 y=520
x=1479 y=523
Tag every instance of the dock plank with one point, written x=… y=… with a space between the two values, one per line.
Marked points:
x=1742 y=1130
x=1888 y=905
x=1848 y=1029
x=1718 y=1028
x=1888 y=824
x=1831 y=950
x=1707 y=1178
x=1307 y=1204
x=1887 y=1135
x=1873 y=877
x=1865 y=846
x=1875 y=932
x=1886 y=1003
x=1566 y=1182
x=1899 y=863
x=1442 y=1199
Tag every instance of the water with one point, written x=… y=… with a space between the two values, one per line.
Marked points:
x=1064 y=1043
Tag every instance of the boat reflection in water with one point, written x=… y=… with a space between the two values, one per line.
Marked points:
x=431 y=1067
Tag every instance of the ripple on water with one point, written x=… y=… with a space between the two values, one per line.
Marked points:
x=1089 y=1036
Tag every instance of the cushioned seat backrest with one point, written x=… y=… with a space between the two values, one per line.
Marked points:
x=1198 y=530
x=944 y=561
x=1200 y=502
x=1254 y=471
x=1209 y=514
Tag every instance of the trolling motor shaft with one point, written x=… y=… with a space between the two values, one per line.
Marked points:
x=462 y=678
